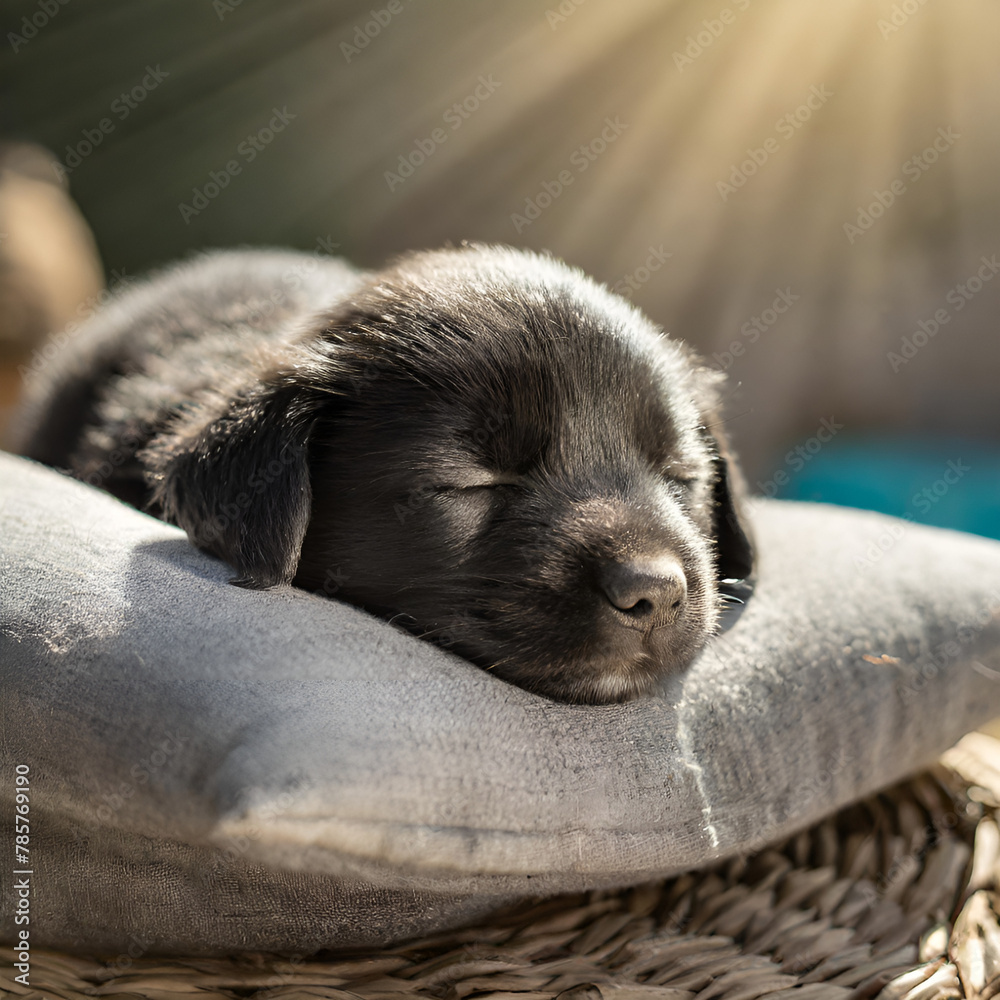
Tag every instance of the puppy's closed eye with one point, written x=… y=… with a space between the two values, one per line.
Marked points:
x=479 y=442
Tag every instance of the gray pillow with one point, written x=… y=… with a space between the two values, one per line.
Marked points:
x=214 y=768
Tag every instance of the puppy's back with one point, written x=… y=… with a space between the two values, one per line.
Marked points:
x=109 y=385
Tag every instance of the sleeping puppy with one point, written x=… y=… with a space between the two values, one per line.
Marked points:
x=480 y=444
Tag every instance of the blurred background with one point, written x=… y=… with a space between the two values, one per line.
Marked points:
x=804 y=191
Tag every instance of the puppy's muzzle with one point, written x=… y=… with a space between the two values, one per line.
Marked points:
x=644 y=593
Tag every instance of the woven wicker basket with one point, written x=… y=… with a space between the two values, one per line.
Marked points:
x=892 y=898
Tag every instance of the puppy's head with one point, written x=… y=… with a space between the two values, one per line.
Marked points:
x=489 y=448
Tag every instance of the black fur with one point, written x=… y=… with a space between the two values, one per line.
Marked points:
x=478 y=443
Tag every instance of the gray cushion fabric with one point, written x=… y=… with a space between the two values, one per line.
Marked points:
x=214 y=768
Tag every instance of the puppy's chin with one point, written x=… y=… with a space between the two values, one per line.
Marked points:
x=550 y=633
x=605 y=670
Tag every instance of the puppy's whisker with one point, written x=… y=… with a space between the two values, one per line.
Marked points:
x=401 y=617
x=722 y=422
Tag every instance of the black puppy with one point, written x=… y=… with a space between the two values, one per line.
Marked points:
x=479 y=443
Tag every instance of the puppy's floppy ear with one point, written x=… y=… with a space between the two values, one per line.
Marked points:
x=734 y=547
x=233 y=473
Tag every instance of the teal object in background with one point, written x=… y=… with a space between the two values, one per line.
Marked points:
x=947 y=482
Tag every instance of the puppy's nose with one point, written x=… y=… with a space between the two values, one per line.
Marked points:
x=647 y=592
